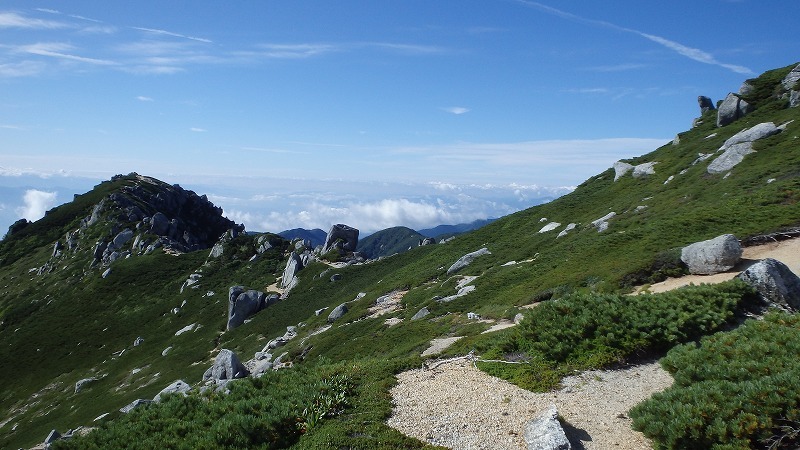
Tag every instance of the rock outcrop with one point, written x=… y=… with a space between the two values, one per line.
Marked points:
x=293 y=265
x=244 y=303
x=712 y=256
x=732 y=108
x=775 y=283
x=740 y=145
x=466 y=260
x=705 y=104
x=639 y=171
x=546 y=433
x=341 y=237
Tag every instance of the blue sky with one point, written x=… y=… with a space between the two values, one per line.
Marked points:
x=309 y=113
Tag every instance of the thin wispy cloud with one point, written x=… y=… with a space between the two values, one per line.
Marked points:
x=617 y=67
x=683 y=50
x=142 y=98
x=289 y=51
x=198 y=130
x=60 y=50
x=170 y=33
x=21 y=69
x=267 y=150
x=693 y=53
x=14 y=20
x=414 y=49
x=457 y=110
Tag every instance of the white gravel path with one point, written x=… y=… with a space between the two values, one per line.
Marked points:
x=457 y=406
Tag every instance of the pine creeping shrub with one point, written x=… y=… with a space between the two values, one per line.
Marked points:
x=583 y=327
x=732 y=390
x=266 y=412
x=586 y=331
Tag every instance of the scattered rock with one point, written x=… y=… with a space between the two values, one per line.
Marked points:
x=81 y=383
x=549 y=227
x=518 y=318
x=712 y=256
x=620 y=169
x=462 y=291
x=336 y=277
x=53 y=436
x=134 y=404
x=546 y=433
x=566 y=230
x=421 y=314
x=186 y=329
x=166 y=350
x=644 y=169
x=139 y=341
x=602 y=223
x=227 y=366
x=775 y=283
x=467 y=259
x=760 y=131
x=337 y=313
x=177 y=387
x=732 y=156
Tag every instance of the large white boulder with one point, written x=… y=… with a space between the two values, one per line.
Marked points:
x=712 y=256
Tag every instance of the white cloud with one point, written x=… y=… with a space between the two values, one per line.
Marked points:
x=36 y=203
x=198 y=130
x=142 y=98
x=457 y=110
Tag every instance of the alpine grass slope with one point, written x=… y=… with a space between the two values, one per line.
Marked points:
x=127 y=303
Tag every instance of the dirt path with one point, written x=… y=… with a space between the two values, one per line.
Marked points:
x=787 y=252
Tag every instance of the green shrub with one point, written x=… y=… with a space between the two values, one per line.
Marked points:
x=266 y=412
x=734 y=390
x=584 y=331
x=611 y=326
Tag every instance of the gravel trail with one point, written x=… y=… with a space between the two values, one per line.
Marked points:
x=455 y=405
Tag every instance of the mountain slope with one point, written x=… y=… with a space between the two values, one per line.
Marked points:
x=389 y=241
x=446 y=231
x=315 y=236
x=69 y=322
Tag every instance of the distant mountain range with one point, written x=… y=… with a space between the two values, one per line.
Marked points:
x=391 y=240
